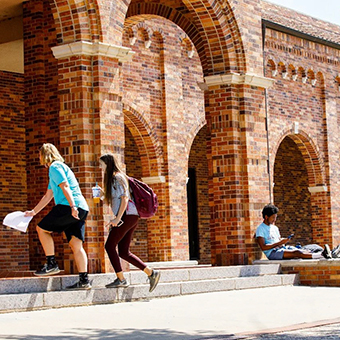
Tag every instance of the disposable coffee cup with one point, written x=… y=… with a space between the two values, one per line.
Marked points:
x=96 y=194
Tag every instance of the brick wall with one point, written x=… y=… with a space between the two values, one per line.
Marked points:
x=13 y=184
x=314 y=273
x=41 y=114
x=81 y=103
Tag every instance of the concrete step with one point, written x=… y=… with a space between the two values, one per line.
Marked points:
x=22 y=294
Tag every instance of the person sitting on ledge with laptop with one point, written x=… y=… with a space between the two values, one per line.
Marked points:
x=274 y=247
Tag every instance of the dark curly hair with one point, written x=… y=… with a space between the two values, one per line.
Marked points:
x=269 y=210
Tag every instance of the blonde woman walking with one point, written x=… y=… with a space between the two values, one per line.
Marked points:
x=68 y=215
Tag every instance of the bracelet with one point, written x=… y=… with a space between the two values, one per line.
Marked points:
x=73 y=206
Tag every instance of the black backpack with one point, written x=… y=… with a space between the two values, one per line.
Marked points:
x=144 y=197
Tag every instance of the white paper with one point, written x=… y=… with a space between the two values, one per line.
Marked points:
x=17 y=220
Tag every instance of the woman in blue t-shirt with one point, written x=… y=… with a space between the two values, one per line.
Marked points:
x=68 y=215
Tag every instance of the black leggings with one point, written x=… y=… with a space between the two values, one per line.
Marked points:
x=122 y=237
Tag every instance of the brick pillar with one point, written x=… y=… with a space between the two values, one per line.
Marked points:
x=322 y=232
x=91 y=122
x=237 y=154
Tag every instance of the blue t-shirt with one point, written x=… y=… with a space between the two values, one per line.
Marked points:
x=59 y=172
x=270 y=233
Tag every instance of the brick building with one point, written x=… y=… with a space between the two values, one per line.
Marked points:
x=221 y=106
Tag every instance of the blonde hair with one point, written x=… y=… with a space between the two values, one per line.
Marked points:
x=49 y=153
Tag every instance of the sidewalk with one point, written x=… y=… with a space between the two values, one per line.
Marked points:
x=219 y=315
x=326 y=332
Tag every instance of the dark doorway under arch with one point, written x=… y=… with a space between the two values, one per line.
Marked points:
x=198 y=204
x=194 y=249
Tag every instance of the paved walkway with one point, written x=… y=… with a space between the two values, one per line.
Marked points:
x=223 y=315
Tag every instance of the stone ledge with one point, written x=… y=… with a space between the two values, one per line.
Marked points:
x=236 y=78
x=170 y=264
x=300 y=262
x=93 y=49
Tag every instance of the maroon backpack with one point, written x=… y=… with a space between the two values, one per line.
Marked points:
x=144 y=197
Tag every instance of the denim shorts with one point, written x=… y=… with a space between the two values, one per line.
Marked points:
x=276 y=254
x=60 y=219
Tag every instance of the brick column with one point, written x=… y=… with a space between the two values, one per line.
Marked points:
x=321 y=222
x=237 y=153
x=91 y=122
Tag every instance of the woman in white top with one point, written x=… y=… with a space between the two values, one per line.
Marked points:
x=117 y=195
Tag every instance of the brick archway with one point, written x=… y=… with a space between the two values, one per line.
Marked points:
x=193 y=134
x=217 y=40
x=320 y=215
x=77 y=21
x=314 y=163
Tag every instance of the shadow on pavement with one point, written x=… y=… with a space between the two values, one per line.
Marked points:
x=93 y=334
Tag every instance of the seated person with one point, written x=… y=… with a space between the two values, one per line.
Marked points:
x=269 y=239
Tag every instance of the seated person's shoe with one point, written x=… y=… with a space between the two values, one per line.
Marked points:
x=48 y=270
x=118 y=284
x=80 y=285
x=336 y=252
x=154 y=279
x=327 y=254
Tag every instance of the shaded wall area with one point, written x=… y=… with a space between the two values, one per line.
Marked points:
x=13 y=188
x=291 y=193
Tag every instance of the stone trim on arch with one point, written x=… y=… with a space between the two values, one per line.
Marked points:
x=310 y=153
x=222 y=28
x=149 y=147
x=77 y=21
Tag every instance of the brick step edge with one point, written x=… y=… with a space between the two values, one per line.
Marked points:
x=65 y=298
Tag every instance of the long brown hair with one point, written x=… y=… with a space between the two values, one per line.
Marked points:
x=112 y=168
